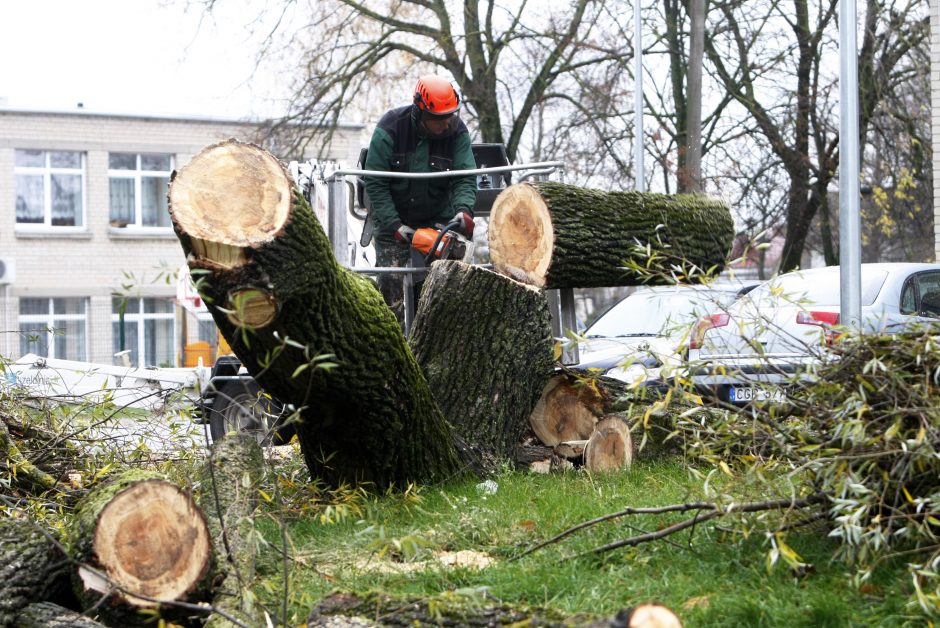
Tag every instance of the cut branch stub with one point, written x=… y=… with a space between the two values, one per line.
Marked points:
x=554 y=235
x=251 y=308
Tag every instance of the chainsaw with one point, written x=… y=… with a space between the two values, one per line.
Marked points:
x=441 y=243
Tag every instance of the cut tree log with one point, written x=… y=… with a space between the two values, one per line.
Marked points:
x=267 y=273
x=610 y=447
x=139 y=535
x=484 y=342
x=554 y=235
x=566 y=410
x=33 y=568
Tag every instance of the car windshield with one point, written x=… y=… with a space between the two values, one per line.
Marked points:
x=818 y=288
x=656 y=314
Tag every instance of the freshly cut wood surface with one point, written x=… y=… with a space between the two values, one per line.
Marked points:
x=554 y=235
x=610 y=447
x=145 y=535
x=249 y=209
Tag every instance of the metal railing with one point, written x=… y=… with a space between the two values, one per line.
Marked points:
x=342 y=199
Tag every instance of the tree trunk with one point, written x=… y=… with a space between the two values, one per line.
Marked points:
x=146 y=536
x=554 y=235
x=484 y=342
x=610 y=447
x=49 y=615
x=266 y=270
x=33 y=568
x=230 y=480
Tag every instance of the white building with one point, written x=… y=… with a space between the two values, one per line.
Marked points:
x=85 y=232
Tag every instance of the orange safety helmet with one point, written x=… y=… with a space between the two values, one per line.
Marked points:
x=435 y=96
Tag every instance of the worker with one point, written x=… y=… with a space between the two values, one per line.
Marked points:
x=425 y=136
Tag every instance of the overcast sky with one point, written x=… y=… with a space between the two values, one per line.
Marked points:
x=132 y=56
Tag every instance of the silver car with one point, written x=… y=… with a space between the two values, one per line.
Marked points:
x=640 y=339
x=751 y=350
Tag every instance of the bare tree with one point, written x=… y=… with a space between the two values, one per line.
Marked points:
x=773 y=60
x=690 y=177
x=532 y=76
x=677 y=102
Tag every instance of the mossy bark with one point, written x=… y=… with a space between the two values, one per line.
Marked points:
x=229 y=482
x=448 y=609
x=49 y=615
x=281 y=299
x=33 y=568
x=147 y=536
x=555 y=235
x=484 y=342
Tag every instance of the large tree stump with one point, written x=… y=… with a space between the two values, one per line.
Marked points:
x=139 y=535
x=33 y=568
x=266 y=270
x=484 y=342
x=554 y=235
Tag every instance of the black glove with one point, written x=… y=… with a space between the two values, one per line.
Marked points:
x=466 y=222
x=401 y=233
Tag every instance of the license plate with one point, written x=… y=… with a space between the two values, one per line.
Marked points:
x=753 y=393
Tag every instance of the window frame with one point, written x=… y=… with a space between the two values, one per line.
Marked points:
x=139 y=319
x=47 y=171
x=138 y=175
x=49 y=320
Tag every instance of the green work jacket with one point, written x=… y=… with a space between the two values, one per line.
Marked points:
x=397 y=146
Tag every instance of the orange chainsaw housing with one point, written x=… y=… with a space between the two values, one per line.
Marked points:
x=424 y=238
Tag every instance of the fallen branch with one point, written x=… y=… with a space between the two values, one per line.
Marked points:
x=714 y=511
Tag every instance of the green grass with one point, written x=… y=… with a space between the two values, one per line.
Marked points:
x=710 y=578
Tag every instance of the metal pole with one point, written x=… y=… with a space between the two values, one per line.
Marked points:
x=337 y=221
x=638 y=99
x=850 y=227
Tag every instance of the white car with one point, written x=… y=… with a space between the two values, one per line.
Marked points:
x=641 y=339
x=754 y=348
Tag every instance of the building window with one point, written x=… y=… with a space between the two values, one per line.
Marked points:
x=50 y=188
x=54 y=328
x=138 y=186
x=147 y=333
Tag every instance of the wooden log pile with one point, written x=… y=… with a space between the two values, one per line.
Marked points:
x=576 y=423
